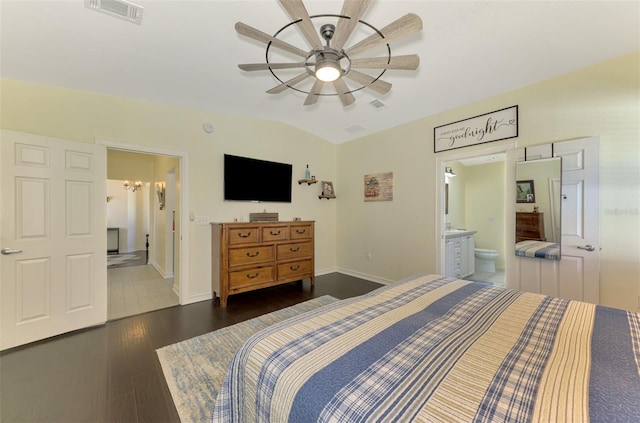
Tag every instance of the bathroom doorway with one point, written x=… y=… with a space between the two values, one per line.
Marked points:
x=474 y=219
x=474 y=214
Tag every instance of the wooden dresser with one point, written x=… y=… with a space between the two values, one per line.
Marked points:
x=530 y=225
x=254 y=255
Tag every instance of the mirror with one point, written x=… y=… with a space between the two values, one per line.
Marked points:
x=538 y=210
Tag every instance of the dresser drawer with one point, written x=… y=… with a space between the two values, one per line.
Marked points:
x=287 y=270
x=300 y=232
x=248 y=255
x=277 y=233
x=298 y=249
x=253 y=276
x=244 y=235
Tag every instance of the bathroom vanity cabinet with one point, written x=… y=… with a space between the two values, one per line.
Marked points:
x=459 y=253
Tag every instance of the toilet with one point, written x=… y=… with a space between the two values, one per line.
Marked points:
x=485 y=260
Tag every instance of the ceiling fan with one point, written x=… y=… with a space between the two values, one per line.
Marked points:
x=331 y=62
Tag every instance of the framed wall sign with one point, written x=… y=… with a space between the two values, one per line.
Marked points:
x=498 y=125
x=378 y=187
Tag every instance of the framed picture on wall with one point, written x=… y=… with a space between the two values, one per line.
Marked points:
x=525 y=192
x=161 y=195
x=327 y=189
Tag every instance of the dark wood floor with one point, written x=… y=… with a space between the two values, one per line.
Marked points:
x=111 y=373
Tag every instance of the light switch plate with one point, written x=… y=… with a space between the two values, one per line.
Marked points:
x=202 y=220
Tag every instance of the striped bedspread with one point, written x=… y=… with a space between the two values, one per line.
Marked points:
x=538 y=249
x=440 y=349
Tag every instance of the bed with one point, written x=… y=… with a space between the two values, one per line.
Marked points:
x=538 y=249
x=435 y=348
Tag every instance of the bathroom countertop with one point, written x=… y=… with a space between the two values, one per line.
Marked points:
x=458 y=232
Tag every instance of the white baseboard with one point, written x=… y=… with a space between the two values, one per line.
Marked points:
x=320 y=272
x=364 y=276
x=371 y=278
x=160 y=270
x=196 y=298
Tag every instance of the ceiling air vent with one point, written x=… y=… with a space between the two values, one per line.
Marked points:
x=353 y=129
x=118 y=8
x=378 y=105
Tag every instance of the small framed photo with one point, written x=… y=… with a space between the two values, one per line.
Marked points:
x=525 y=192
x=327 y=188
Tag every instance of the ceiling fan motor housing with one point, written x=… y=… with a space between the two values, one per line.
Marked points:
x=327 y=31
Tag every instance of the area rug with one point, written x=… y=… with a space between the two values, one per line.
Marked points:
x=120 y=260
x=478 y=281
x=195 y=368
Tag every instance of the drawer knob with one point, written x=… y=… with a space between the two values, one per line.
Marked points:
x=294 y=268
x=301 y=231
x=256 y=254
x=241 y=235
x=275 y=233
x=252 y=276
x=293 y=250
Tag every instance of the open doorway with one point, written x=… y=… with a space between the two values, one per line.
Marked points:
x=474 y=219
x=471 y=229
x=142 y=210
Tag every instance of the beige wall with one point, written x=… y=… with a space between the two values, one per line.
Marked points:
x=484 y=211
x=86 y=117
x=129 y=166
x=602 y=100
x=166 y=243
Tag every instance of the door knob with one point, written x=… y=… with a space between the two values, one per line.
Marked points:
x=7 y=251
x=587 y=247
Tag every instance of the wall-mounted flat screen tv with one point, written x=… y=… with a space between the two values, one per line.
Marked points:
x=247 y=179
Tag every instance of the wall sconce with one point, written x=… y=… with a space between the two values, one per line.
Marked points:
x=135 y=187
x=448 y=172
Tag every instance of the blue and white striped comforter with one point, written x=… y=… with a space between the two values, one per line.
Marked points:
x=538 y=249
x=439 y=349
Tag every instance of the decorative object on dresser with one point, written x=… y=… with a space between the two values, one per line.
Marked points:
x=263 y=217
x=255 y=255
x=530 y=226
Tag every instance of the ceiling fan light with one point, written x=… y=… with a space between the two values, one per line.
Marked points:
x=328 y=70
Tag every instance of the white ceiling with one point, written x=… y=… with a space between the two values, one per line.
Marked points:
x=186 y=53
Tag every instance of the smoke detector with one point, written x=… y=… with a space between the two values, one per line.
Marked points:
x=118 y=8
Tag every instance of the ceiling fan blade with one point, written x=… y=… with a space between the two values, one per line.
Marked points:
x=354 y=9
x=290 y=83
x=256 y=34
x=296 y=10
x=343 y=91
x=377 y=85
x=264 y=66
x=401 y=27
x=408 y=62
x=313 y=96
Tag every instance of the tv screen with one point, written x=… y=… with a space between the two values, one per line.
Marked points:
x=247 y=179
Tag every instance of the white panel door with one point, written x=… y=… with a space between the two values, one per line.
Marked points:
x=53 y=237
x=579 y=266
